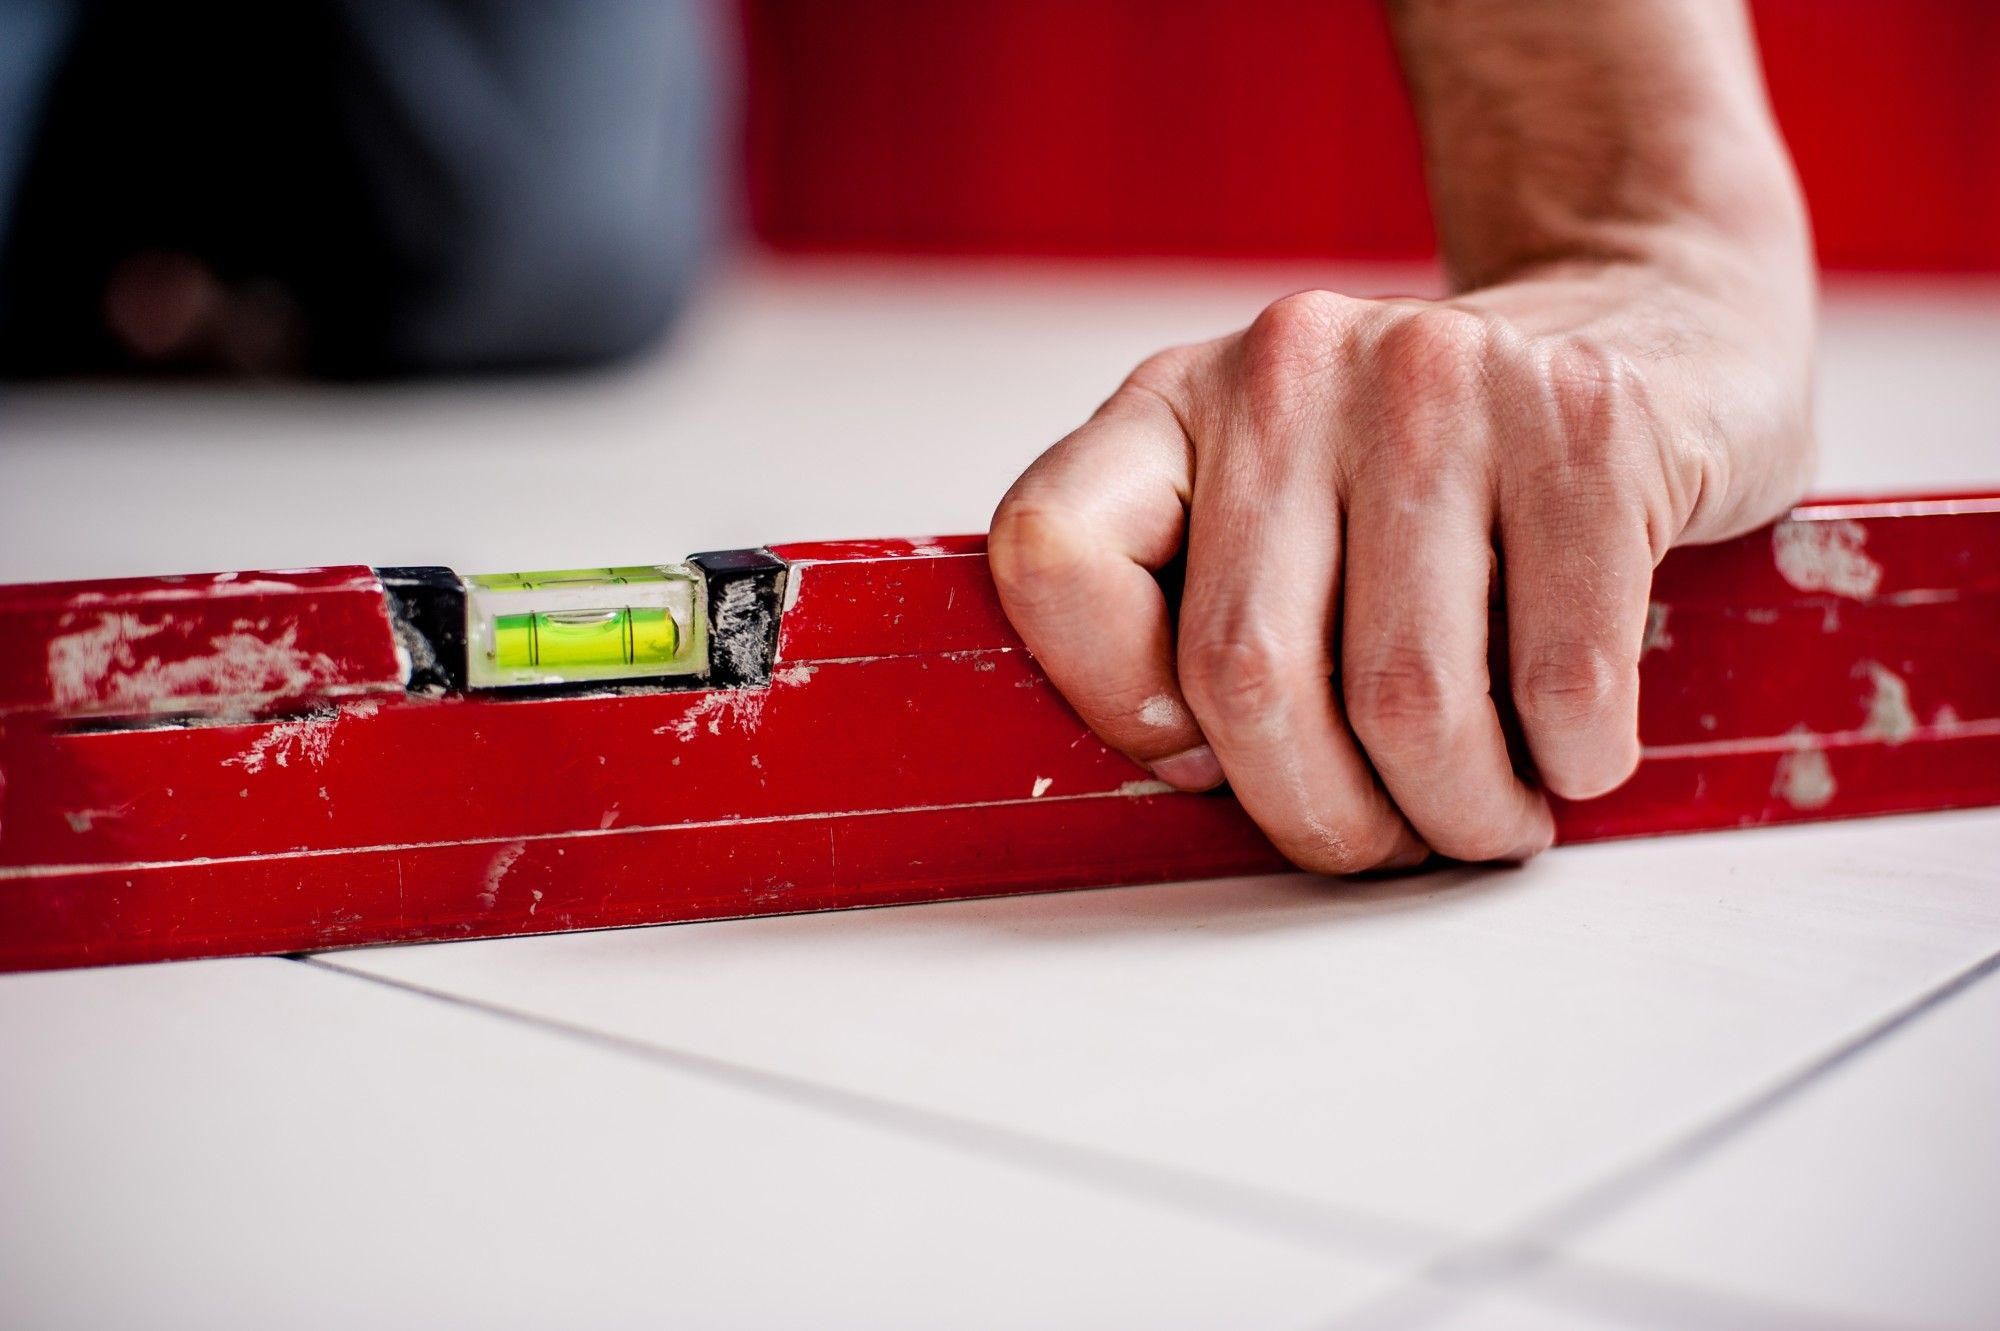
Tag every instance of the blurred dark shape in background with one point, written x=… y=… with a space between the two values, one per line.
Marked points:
x=398 y=186
x=350 y=186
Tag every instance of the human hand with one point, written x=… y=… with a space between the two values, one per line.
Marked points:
x=1350 y=478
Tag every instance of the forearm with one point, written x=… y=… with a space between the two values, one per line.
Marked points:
x=1608 y=170
x=1558 y=131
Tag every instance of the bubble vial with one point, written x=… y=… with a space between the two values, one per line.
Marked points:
x=580 y=626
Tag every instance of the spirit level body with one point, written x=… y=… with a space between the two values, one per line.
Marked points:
x=277 y=762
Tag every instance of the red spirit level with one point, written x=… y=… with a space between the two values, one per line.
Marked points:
x=271 y=762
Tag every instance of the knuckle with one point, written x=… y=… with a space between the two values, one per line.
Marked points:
x=1438 y=349
x=1034 y=550
x=1238 y=680
x=1571 y=686
x=1318 y=846
x=1289 y=347
x=1310 y=317
x=1403 y=701
x=1592 y=392
x=1432 y=373
x=1165 y=374
x=1585 y=367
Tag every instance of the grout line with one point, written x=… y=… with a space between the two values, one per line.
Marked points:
x=1447 y=1282
x=1622 y=1297
x=1317 y=1226
x=1605 y=1297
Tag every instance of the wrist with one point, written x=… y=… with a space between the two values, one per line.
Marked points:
x=1722 y=345
x=1689 y=283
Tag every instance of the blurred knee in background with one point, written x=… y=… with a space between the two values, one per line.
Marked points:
x=350 y=187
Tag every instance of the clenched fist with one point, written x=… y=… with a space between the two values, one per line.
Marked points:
x=1358 y=483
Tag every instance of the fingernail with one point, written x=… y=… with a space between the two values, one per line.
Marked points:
x=1195 y=769
x=1528 y=850
x=1408 y=859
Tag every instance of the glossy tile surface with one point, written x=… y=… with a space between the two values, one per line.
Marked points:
x=267 y=1143
x=1450 y=1051
x=1875 y=1193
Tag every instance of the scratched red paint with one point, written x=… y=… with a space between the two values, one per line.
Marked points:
x=907 y=750
x=134 y=646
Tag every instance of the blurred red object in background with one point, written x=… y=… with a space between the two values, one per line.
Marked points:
x=1277 y=128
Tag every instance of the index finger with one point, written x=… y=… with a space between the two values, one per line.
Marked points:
x=1073 y=548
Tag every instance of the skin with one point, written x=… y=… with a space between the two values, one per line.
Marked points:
x=1624 y=366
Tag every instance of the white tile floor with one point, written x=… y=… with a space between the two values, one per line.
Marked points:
x=1452 y=1052
x=1736 y=1080
x=270 y=1144
x=1900 y=1145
